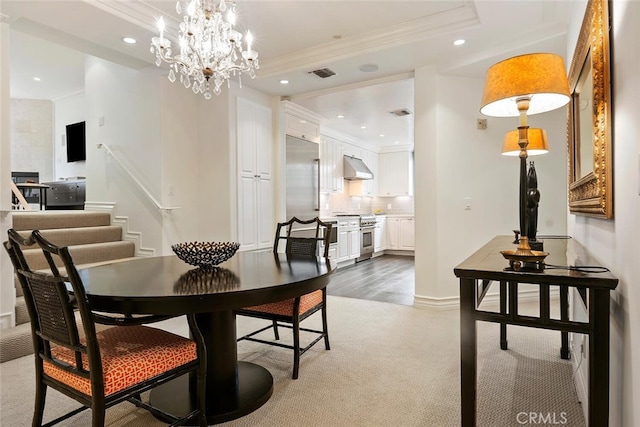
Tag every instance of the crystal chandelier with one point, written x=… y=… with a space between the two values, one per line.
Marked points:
x=209 y=47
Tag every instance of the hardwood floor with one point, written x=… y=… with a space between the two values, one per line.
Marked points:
x=388 y=278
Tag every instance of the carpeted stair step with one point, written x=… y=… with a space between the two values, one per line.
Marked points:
x=80 y=235
x=15 y=342
x=85 y=254
x=22 y=315
x=42 y=220
x=91 y=239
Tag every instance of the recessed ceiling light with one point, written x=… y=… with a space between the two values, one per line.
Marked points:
x=284 y=82
x=363 y=127
x=129 y=40
x=36 y=79
x=340 y=116
x=396 y=142
x=381 y=135
x=303 y=121
x=369 y=68
x=459 y=42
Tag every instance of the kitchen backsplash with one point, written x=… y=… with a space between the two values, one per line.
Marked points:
x=334 y=203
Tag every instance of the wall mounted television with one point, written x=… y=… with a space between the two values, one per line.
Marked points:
x=76 y=148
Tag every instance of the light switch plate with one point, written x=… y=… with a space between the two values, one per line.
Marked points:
x=467 y=203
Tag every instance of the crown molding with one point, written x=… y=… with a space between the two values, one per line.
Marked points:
x=301 y=112
x=389 y=37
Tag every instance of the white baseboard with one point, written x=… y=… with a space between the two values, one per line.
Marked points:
x=579 y=364
x=490 y=300
x=100 y=207
x=7 y=320
x=133 y=236
x=122 y=221
x=446 y=303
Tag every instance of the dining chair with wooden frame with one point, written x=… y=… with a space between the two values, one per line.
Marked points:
x=97 y=369
x=291 y=312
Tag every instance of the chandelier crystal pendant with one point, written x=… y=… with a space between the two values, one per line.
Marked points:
x=210 y=49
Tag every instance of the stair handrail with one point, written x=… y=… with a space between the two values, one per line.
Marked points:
x=21 y=200
x=138 y=183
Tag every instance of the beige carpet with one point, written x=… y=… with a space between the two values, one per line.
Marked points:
x=390 y=365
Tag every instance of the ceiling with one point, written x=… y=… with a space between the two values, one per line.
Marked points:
x=293 y=37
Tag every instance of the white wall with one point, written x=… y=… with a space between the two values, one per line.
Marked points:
x=180 y=146
x=68 y=110
x=129 y=102
x=7 y=291
x=615 y=242
x=31 y=136
x=456 y=161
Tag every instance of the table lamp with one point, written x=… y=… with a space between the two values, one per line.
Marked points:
x=538 y=144
x=526 y=84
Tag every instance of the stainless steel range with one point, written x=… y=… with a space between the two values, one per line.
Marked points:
x=367 y=236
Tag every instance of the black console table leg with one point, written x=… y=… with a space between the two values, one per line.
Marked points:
x=564 y=316
x=468 y=352
x=503 y=311
x=599 y=357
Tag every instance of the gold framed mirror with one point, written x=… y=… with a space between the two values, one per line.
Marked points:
x=589 y=122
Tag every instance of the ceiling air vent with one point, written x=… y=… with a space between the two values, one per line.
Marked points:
x=323 y=73
x=401 y=112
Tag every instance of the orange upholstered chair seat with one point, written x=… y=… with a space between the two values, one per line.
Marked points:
x=130 y=355
x=285 y=308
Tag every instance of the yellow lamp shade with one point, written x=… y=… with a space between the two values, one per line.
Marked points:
x=538 y=143
x=541 y=77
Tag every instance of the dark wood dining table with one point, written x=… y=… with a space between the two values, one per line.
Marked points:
x=166 y=285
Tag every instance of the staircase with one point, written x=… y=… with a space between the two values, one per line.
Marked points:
x=91 y=240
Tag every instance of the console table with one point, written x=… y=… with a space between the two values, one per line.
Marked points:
x=486 y=265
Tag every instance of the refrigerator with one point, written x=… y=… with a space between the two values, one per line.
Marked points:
x=302 y=178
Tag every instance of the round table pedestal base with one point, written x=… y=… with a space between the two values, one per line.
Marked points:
x=255 y=386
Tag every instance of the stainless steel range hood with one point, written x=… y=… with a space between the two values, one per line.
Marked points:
x=355 y=169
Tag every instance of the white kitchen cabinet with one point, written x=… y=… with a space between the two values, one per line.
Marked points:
x=301 y=128
x=371 y=185
x=393 y=233
x=333 y=253
x=396 y=174
x=331 y=180
x=380 y=234
x=407 y=238
x=343 y=245
x=400 y=233
x=351 y=150
x=354 y=243
x=348 y=238
x=255 y=190
x=366 y=187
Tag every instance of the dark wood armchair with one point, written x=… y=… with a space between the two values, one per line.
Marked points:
x=98 y=369
x=302 y=238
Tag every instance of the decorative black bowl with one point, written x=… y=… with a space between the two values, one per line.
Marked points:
x=205 y=254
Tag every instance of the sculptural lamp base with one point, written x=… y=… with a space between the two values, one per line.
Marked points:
x=523 y=258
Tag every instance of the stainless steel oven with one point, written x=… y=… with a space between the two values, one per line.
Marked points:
x=367 y=236
x=333 y=240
